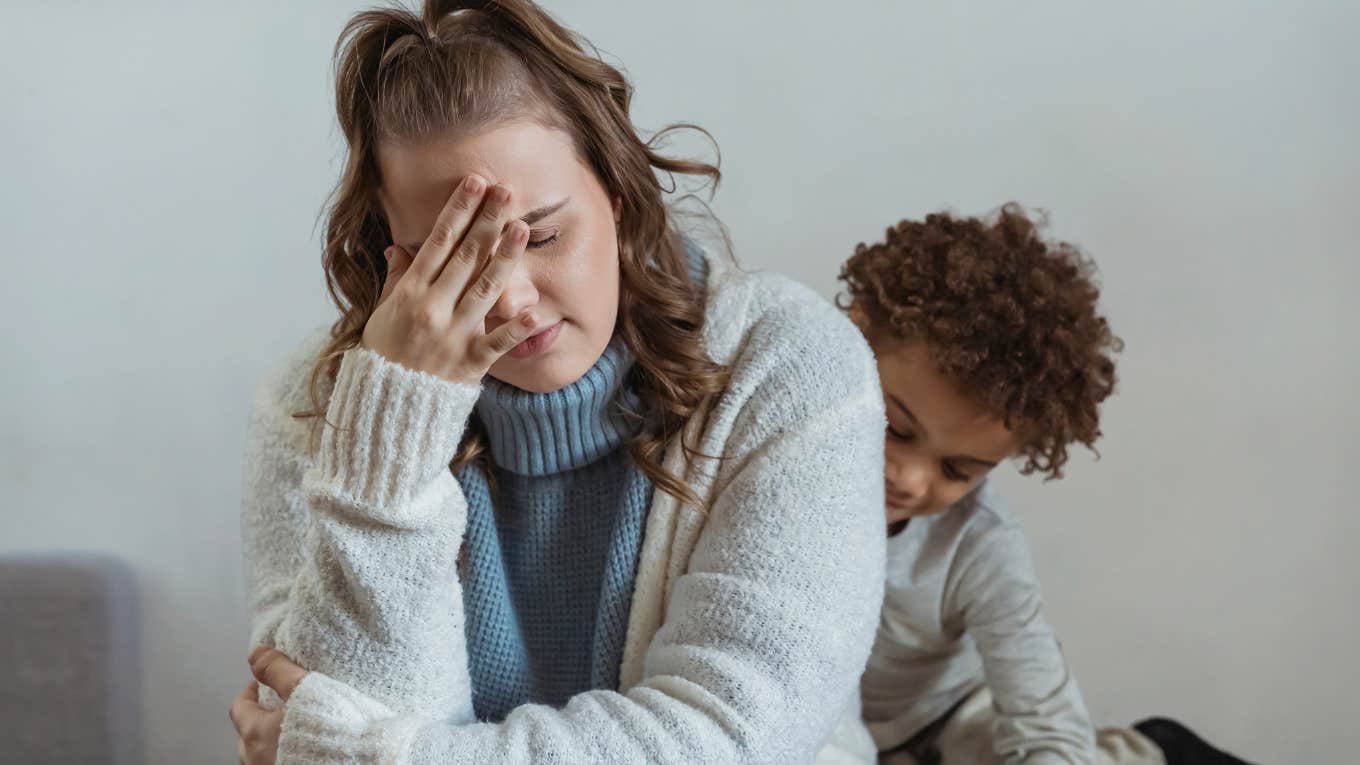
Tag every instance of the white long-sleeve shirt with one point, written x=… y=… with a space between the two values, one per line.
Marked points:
x=962 y=608
x=750 y=621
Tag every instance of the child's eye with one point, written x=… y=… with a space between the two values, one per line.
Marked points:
x=905 y=437
x=954 y=474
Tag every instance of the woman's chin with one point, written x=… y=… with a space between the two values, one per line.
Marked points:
x=544 y=373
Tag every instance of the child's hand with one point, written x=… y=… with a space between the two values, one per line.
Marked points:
x=432 y=314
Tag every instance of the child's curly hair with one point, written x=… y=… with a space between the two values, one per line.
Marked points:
x=1008 y=316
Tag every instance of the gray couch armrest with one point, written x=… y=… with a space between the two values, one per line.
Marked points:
x=68 y=642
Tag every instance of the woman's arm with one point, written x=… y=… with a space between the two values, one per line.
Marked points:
x=764 y=637
x=369 y=593
x=350 y=557
x=1041 y=717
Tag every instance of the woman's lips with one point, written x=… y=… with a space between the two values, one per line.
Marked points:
x=537 y=343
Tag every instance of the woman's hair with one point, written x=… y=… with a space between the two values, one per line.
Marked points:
x=466 y=66
x=1008 y=317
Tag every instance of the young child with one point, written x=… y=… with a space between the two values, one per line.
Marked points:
x=989 y=346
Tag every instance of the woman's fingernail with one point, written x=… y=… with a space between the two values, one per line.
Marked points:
x=473 y=184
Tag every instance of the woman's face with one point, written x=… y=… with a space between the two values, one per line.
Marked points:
x=569 y=273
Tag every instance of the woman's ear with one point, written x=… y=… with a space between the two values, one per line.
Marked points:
x=618 y=210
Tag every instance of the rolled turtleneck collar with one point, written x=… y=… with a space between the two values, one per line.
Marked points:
x=545 y=433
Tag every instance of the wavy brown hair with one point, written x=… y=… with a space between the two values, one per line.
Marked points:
x=401 y=76
x=1007 y=315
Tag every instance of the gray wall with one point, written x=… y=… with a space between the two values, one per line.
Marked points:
x=164 y=166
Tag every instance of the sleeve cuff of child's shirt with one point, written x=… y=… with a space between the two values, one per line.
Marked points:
x=327 y=721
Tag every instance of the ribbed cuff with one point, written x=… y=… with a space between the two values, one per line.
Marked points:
x=390 y=431
x=326 y=721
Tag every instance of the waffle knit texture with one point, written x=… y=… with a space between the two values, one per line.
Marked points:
x=552 y=551
x=752 y=615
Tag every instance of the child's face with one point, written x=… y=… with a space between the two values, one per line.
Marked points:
x=939 y=443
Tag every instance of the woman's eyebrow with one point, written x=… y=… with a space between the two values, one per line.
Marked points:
x=539 y=213
x=530 y=218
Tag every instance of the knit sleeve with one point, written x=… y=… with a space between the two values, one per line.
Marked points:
x=350 y=551
x=995 y=594
x=766 y=632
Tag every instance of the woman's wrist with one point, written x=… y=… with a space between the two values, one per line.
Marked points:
x=389 y=432
x=328 y=721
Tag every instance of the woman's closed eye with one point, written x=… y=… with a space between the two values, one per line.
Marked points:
x=542 y=237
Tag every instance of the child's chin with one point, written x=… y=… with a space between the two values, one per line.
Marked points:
x=901 y=515
x=898 y=514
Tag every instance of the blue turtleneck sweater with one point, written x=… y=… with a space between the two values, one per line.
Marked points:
x=552 y=552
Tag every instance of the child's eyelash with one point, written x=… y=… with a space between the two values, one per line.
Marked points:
x=950 y=472
x=899 y=436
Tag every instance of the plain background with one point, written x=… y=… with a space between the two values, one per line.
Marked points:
x=165 y=164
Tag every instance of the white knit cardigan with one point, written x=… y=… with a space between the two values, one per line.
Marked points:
x=750 y=623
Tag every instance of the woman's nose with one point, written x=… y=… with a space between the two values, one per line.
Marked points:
x=519 y=294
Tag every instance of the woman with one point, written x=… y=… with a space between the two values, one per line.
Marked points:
x=568 y=488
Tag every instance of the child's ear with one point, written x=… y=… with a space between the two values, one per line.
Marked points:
x=859 y=317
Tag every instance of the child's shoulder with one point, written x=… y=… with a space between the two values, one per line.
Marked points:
x=982 y=513
x=983 y=538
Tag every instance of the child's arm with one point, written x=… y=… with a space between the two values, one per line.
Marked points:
x=1041 y=717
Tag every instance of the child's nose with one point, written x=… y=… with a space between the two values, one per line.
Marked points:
x=909 y=478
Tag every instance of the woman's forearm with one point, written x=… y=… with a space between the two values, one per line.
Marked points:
x=352 y=555
x=764 y=638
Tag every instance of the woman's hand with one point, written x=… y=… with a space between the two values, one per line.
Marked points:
x=432 y=315
x=257 y=728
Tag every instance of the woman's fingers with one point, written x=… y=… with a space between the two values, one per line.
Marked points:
x=275 y=670
x=245 y=703
x=398 y=262
x=449 y=228
x=490 y=283
x=476 y=247
x=500 y=340
x=257 y=728
x=435 y=320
